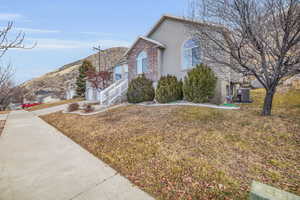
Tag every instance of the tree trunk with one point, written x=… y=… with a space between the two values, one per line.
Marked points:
x=267 y=109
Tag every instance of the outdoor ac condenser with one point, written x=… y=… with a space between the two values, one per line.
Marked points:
x=243 y=95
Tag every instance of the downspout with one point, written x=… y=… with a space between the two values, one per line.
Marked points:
x=159 y=63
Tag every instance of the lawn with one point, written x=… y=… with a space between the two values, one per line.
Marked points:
x=49 y=105
x=4 y=112
x=186 y=152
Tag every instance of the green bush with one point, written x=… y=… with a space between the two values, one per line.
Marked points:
x=81 y=79
x=140 y=89
x=168 y=89
x=199 y=85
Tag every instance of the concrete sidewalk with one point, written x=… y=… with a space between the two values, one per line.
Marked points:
x=37 y=162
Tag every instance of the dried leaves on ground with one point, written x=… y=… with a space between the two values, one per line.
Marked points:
x=186 y=152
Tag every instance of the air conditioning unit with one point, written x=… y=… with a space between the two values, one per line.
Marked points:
x=243 y=95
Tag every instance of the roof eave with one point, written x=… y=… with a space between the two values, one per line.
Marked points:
x=143 y=38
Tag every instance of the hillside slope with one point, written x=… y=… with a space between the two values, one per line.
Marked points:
x=58 y=81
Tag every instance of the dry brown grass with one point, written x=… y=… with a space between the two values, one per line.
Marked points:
x=193 y=152
x=49 y=105
x=4 y=112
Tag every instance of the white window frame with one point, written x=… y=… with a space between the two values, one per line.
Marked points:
x=189 y=65
x=140 y=62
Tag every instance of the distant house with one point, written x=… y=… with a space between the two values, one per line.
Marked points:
x=43 y=96
x=70 y=94
x=49 y=99
x=71 y=91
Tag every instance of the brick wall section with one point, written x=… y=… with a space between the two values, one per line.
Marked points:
x=152 y=53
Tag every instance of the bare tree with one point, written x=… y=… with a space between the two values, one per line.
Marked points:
x=262 y=38
x=6 y=43
x=6 y=90
x=99 y=80
x=6 y=72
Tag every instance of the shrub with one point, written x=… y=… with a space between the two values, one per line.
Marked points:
x=81 y=79
x=199 y=85
x=168 y=89
x=88 y=108
x=140 y=89
x=73 y=107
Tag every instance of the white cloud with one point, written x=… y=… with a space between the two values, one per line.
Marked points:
x=96 y=33
x=52 y=44
x=32 y=30
x=10 y=16
x=90 y=33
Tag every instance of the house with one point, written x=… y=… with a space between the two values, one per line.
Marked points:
x=70 y=93
x=48 y=99
x=45 y=96
x=170 y=48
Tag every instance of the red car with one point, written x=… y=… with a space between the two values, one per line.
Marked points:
x=28 y=105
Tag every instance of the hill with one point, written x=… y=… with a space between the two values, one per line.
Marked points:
x=58 y=81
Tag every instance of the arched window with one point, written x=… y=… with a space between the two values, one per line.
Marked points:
x=142 y=62
x=191 y=53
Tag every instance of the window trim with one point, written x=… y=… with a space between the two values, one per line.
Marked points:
x=183 y=50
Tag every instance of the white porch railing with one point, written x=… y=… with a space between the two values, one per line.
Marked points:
x=110 y=94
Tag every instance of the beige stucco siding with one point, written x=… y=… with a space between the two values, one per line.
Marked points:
x=172 y=34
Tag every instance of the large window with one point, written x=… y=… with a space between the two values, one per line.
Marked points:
x=191 y=53
x=142 y=63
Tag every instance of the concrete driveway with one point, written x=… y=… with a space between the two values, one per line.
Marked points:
x=37 y=162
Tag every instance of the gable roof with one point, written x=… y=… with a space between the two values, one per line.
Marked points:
x=146 y=39
x=157 y=25
x=179 y=19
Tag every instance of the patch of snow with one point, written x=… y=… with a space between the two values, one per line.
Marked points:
x=184 y=103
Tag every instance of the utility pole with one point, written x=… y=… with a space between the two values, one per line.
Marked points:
x=99 y=50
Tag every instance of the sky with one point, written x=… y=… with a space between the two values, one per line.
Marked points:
x=66 y=30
